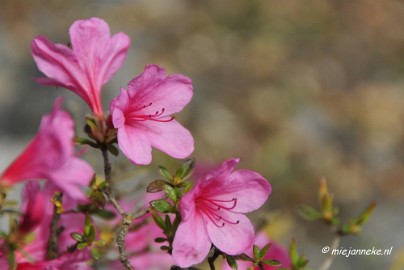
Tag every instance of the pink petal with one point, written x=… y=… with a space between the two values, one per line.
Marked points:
x=172 y=92
x=32 y=207
x=191 y=243
x=231 y=238
x=134 y=145
x=71 y=177
x=117 y=107
x=221 y=172
x=170 y=137
x=59 y=63
x=249 y=188
x=99 y=54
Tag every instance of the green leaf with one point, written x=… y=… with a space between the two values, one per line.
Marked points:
x=264 y=250
x=170 y=191
x=160 y=240
x=271 y=262
x=165 y=248
x=156 y=186
x=98 y=198
x=95 y=253
x=186 y=169
x=232 y=262
x=91 y=235
x=81 y=245
x=162 y=206
x=168 y=225
x=294 y=256
x=105 y=214
x=76 y=236
x=87 y=225
x=113 y=149
x=85 y=141
x=159 y=221
x=163 y=171
x=309 y=213
x=256 y=251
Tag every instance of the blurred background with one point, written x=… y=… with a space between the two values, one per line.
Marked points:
x=298 y=89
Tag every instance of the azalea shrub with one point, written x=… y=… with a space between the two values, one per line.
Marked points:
x=70 y=216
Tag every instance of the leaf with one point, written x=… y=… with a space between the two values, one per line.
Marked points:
x=105 y=214
x=159 y=221
x=162 y=206
x=309 y=213
x=98 y=198
x=232 y=262
x=95 y=253
x=156 y=186
x=160 y=240
x=271 y=262
x=87 y=225
x=113 y=149
x=81 y=245
x=186 y=169
x=256 y=251
x=170 y=191
x=76 y=236
x=163 y=171
x=91 y=235
x=264 y=250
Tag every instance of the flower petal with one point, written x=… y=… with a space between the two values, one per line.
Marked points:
x=191 y=243
x=170 y=137
x=134 y=145
x=117 y=107
x=249 y=188
x=171 y=93
x=221 y=172
x=59 y=63
x=72 y=176
x=231 y=238
x=99 y=54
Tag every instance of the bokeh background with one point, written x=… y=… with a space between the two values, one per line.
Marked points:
x=298 y=89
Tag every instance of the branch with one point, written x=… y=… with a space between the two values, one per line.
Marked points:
x=52 y=246
x=126 y=218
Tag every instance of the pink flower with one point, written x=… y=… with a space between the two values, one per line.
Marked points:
x=142 y=115
x=94 y=58
x=212 y=213
x=275 y=251
x=50 y=156
x=32 y=255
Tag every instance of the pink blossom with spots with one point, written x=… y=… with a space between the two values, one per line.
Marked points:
x=94 y=58
x=213 y=210
x=143 y=115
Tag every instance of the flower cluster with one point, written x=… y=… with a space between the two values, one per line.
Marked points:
x=56 y=229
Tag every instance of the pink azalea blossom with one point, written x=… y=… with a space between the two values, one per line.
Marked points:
x=50 y=156
x=213 y=213
x=32 y=255
x=94 y=58
x=275 y=251
x=142 y=115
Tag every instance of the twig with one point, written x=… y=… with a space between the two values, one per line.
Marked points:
x=126 y=218
x=328 y=261
x=52 y=246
